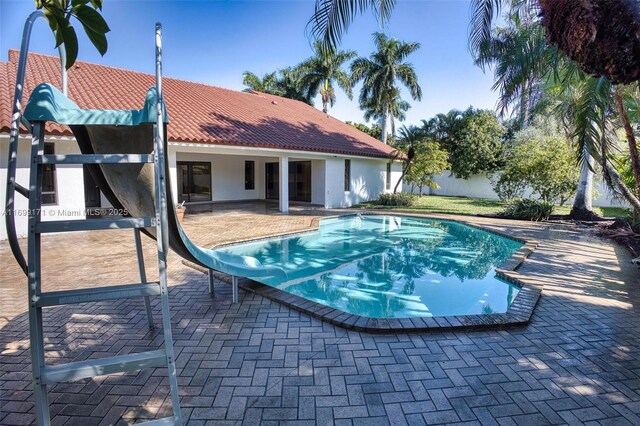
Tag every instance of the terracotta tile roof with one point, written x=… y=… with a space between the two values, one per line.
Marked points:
x=198 y=113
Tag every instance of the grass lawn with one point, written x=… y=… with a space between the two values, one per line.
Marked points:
x=472 y=206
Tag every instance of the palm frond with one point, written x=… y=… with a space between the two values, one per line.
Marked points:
x=483 y=13
x=591 y=118
x=331 y=18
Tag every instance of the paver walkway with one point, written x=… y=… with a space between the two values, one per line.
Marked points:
x=578 y=361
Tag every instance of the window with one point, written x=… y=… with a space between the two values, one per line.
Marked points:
x=49 y=179
x=194 y=181
x=347 y=175
x=249 y=175
x=388 y=183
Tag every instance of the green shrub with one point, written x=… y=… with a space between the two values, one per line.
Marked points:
x=543 y=161
x=400 y=199
x=529 y=210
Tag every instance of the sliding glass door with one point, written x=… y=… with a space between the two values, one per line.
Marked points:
x=194 y=181
x=299 y=181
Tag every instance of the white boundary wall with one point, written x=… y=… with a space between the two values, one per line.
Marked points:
x=479 y=186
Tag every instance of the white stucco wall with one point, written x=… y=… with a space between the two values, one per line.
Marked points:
x=318 y=180
x=479 y=186
x=69 y=186
x=227 y=175
x=334 y=183
x=368 y=178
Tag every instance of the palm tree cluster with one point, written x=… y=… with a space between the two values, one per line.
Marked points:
x=284 y=82
x=534 y=77
x=380 y=74
x=570 y=57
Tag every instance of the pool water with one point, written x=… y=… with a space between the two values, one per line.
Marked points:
x=391 y=266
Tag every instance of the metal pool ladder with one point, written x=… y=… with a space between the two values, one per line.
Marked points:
x=44 y=375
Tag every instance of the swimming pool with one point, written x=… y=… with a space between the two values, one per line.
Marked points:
x=381 y=266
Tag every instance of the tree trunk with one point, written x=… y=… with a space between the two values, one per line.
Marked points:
x=405 y=169
x=631 y=139
x=325 y=96
x=583 y=203
x=524 y=105
x=600 y=36
x=393 y=129
x=383 y=122
x=614 y=180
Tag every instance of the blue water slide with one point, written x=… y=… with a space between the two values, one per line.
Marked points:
x=130 y=187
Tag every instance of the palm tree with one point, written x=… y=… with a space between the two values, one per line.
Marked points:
x=268 y=83
x=290 y=86
x=522 y=62
x=380 y=73
x=563 y=100
x=319 y=73
x=520 y=58
x=397 y=111
x=600 y=36
x=410 y=138
x=284 y=82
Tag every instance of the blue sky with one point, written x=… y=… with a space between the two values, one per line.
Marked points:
x=213 y=42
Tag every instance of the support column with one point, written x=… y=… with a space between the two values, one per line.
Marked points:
x=173 y=171
x=284 y=184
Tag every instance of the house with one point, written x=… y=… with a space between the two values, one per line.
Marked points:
x=223 y=145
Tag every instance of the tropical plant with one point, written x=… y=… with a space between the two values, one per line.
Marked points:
x=423 y=158
x=397 y=111
x=380 y=74
x=331 y=18
x=542 y=161
x=544 y=79
x=429 y=160
x=473 y=139
x=319 y=73
x=520 y=58
x=410 y=138
x=528 y=209
x=373 y=130
x=87 y=12
x=399 y=199
x=596 y=35
x=290 y=85
x=284 y=82
x=600 y=36
x=626 y=173
x=268 y=83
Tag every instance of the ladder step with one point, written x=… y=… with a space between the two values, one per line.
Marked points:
x=95 y=224
x=100 y=367
x=21 y=190
x=84 y=295
x=169 y=421
x=95 y=158
x=25 y=122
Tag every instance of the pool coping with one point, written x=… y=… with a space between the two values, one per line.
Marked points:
x=519 y=312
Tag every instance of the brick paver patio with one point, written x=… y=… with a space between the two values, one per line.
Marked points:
x=578 y=361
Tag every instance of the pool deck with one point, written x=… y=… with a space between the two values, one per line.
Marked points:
x=577 y=361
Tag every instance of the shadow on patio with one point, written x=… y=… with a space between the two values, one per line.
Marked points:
x=257 y=361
